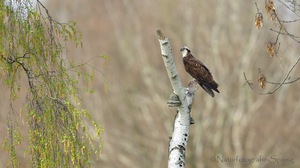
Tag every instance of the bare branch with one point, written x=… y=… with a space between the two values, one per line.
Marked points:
x=289 y=21
x=289 y=82
x=279 y=84
x=183 y=99
x=273 y=47
x=289 y=8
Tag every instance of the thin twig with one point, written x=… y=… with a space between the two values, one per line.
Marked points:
x=293 y=11
x=279 y=85
x=289 y=21
x=289 y=82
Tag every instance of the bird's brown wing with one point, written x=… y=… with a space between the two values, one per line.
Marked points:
x=197 y=69
x=200 y=72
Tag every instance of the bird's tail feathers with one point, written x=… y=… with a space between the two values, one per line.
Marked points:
x=214 y=86
x=208 y=90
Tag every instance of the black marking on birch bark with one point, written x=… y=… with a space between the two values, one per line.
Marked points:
x=165 y=56
x=175 y=76
x=168 y=62
x=190 y=107
x=181 y=148
x=192 y=121
x=164 y=43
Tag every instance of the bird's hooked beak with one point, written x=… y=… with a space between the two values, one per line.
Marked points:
x=182 y=49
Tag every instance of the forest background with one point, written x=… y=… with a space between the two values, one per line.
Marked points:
x=131 y=85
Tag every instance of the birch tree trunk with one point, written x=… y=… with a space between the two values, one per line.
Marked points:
x=178 y=142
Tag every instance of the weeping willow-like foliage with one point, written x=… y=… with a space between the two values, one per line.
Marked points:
x=60 y=132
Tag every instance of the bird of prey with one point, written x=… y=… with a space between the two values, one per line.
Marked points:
x=199 y=71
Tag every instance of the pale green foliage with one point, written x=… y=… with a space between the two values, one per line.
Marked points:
x=30 y=46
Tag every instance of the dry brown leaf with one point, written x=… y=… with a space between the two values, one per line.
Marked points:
x=258 y=20
x=270 y=9
x=271 y=49
x=261 y=79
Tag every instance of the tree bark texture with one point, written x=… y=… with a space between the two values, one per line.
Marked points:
x=179 y=140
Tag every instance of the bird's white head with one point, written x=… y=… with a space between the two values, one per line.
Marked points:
x=184 y=51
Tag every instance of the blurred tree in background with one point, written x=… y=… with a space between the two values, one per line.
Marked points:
x=59 y=132
x=237 y=123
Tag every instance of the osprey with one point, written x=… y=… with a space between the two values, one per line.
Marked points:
x=199 y=71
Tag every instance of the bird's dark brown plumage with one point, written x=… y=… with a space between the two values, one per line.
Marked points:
x=200 y=72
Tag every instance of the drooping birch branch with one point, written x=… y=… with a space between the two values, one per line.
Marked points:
x=178 y=142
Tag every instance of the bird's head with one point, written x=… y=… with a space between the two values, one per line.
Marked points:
x=184 y=51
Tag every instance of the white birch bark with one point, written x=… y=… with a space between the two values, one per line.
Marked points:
x=179 y=140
